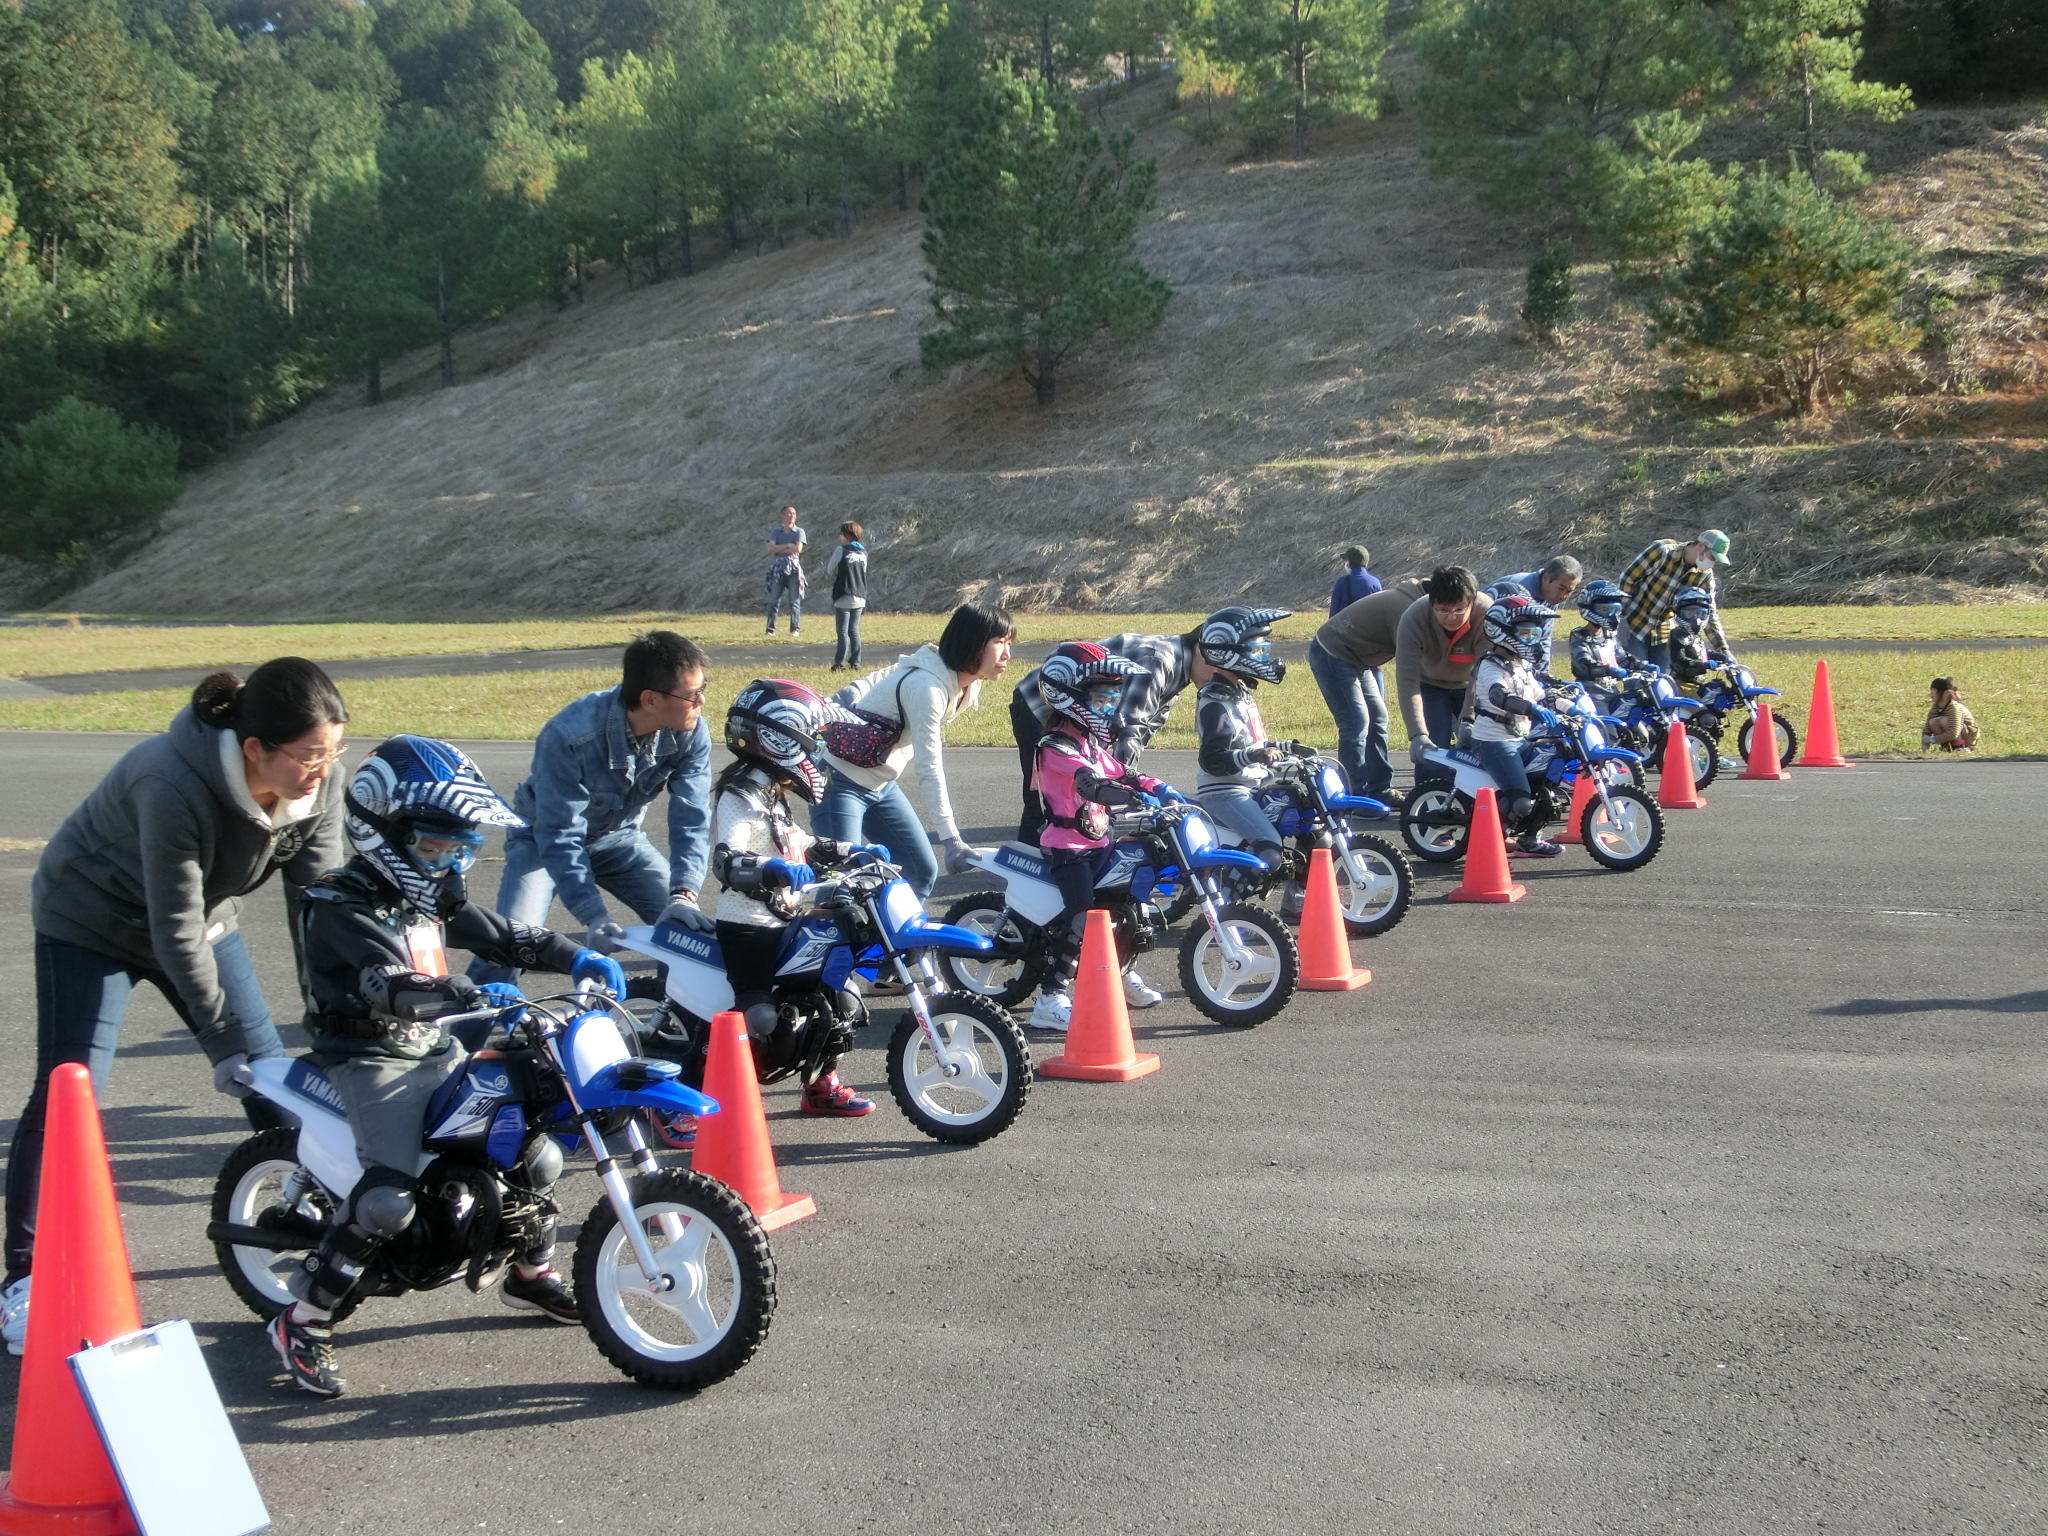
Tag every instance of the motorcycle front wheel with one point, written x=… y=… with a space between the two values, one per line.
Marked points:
x=1435 y=824
x=1786 y=732
x=1375 y=883
x=1628 y=836
x=1004 y=982
x=250 y=1193
x=981 y=1092
x=1255 y=987
x=705 y=1311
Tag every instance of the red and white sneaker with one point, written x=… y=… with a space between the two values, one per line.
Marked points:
x=829 y=1096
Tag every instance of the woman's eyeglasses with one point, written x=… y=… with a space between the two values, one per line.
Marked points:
x=317 y=761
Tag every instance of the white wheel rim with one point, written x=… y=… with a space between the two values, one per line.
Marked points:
x=1625 y=833
x=259 y=1190
x=1251 y=981
x=1369 y=887
x=979 y=1075
x=1438 y=839
x=698 y=1305
x=987 y=977
x=1702 y=757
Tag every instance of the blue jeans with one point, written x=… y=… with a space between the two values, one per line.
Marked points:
x=1656 y=652
x=1441 y=708
x=846 y=637
x=1359 y=706
x=851 y=814
x=81 y=996
x=626 y=864
x=781 y=585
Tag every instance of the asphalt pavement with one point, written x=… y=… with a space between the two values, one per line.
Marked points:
x=1706 y=1199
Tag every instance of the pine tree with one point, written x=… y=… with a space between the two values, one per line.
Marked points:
x=1296 y=61
x=79 y=478
x=1805 y=54
x=1552 y=299
x=1788 y=287
x=1031 y=225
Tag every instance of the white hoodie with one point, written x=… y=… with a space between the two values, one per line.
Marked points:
x=930 y=699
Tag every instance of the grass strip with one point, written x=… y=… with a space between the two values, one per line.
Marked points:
x=55 y=650
x=1880 y=700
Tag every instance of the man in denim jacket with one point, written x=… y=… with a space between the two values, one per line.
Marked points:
x=597 y=766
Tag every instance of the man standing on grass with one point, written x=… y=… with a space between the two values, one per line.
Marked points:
x=1653 y=581
x=786 y=570
x=597 y=767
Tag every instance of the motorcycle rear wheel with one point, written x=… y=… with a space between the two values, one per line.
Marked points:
x=1003 y=982
x=1706 y=755
x=715 y=1312
x=978 y=1103
x=1375 y=883
x=1438 y=844
x=249 y=1185
x=1272 y=968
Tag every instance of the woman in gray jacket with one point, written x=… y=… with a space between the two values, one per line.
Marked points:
x=140 y=884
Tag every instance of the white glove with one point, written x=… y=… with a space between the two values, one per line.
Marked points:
x=960 y=856
x=604 y=936
x=683 y=911
x=231 y=1076
x=1417 y=747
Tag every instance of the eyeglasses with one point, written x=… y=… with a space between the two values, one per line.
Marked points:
x=316 y=763
x=694 y=698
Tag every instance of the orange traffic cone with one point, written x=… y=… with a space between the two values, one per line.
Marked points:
x=1822 y=750
x=1675 y=791
x=1325 y=941
x=1099 y=1048
x=1486 y=856
x=62 y=1480
x=1582 y=796
x=732 y=1145
x=1763 y=749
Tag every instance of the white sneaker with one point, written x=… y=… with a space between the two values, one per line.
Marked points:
x=1050 y=1013
x=14 y=1315
x=1137 y=994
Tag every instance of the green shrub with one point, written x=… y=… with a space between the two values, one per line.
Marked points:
x=1552 y=297
x=76 y=478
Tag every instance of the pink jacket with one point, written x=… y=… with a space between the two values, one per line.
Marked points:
x=1083 y=774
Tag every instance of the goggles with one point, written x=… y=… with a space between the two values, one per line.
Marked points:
x=441 y=851
x=1104 y=696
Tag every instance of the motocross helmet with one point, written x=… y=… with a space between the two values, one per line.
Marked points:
x=781 y=726
x=1601 y=603
x=1236 y=640
x=1693 y=598
x=416 y=810
x=1517 y=626
x=1085 y=683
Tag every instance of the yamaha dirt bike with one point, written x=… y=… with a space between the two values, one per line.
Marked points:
x=673 y=1273
x=958 y=1066
x=1239 y=965
x=1621 y=827
x=1651 y=702
x=1307 y=801
x=1732 y=689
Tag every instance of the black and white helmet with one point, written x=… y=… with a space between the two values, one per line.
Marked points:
x=1693 y=598
x=1078 y=669
x=1601 y=602
x=416 y=810
x=1517 y=625
x=1238 y=640
x=781 y=725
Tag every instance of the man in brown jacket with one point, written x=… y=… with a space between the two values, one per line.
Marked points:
x=1437 y=645
x=1346 y=656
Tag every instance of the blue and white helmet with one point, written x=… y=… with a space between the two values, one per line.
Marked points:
x=1601 y=602
x=416 y=811
x=1238 y=640
x=1693 y=598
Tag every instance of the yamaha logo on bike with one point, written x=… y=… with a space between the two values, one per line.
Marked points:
x=684 y=942
x=1022 y=862
x=310 y=1082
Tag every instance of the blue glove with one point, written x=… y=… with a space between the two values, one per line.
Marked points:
x=601 y=969
x=499 y=994
x=1168 y=795
x=1150 y=802
x=1546 y=719
x=787 y=872
x=872 y=850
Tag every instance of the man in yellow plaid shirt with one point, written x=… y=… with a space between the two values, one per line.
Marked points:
x=1653 y=581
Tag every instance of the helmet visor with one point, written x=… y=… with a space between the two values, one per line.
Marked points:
x=1104 y=697
x=443 y=850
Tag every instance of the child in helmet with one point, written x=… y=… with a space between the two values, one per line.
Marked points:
x=1082 y=685
x=775 y=730
x=1692 y=617
x=1598 y=660
x=1232 y=750
x=1506 y=697
x=374 y=936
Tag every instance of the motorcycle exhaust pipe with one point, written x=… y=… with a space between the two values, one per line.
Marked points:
x=284 y=1237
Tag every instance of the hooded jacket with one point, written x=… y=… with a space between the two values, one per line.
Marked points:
x=147 y=869
x=921 y=691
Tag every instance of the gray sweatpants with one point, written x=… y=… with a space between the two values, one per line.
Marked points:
x=387 y=1102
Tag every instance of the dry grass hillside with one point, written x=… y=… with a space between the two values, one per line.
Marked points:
x=1341 y=362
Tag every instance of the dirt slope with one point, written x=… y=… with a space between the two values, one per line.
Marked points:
x=1341 y=362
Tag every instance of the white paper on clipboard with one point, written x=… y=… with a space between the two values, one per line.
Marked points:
x=167 y=1435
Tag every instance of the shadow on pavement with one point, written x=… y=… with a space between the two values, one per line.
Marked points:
x=1866 y=1007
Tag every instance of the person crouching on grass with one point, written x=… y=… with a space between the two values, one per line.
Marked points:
x=1949 y=727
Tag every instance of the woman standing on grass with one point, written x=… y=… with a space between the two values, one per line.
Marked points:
x=923 y=693
x=848 y=568
x=140 y=884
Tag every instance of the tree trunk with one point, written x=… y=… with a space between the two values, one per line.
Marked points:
x=689 y=257
x=1300 y=102
x=373 y=382
x=1807 y=107
x=1045 y=53
x=1042 y=380
x=447 y=331
x=291 y=254
x=903 y=186
x=626 y=261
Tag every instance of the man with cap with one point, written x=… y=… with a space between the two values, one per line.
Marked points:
x=1653 y=581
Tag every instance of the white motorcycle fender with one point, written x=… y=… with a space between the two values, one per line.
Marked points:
x=327 y=1147
x=695 y=983
x=1027 y=893
x=1471 y=778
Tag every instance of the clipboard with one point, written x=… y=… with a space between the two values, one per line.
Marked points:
x=160 y=1418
